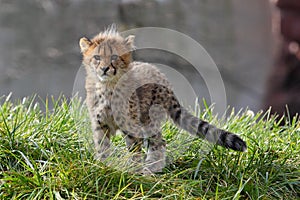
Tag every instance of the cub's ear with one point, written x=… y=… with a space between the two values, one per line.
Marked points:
x=130 y=41
x=84 y=44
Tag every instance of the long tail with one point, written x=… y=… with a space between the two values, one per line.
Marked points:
x=203 y=129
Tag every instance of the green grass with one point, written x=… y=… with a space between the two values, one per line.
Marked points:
x=48 y=154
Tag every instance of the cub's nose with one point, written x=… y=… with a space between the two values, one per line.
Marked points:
x=105 y=69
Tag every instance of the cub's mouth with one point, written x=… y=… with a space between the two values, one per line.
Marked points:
x=103 y=77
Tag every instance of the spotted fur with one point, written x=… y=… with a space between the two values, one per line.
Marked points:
x=135 y=97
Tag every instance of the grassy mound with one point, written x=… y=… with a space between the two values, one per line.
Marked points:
x=48 y=154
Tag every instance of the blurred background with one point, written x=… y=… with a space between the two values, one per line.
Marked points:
x=39 y=50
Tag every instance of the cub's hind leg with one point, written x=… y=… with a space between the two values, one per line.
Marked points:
x=156 y=148
x=156 y=154
x=135 y=146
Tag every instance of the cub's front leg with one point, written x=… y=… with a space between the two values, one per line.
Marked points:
x=101 y=136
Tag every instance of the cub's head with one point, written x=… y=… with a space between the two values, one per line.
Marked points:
x=107 y=55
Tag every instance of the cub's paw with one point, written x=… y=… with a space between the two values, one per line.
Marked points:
x=147 y=172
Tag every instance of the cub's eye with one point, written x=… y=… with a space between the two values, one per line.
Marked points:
x=97 y=57
x=114 y=57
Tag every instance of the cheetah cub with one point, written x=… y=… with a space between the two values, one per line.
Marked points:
x=135 y=97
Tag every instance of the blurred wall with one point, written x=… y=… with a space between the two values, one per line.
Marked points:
x=39 y=50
